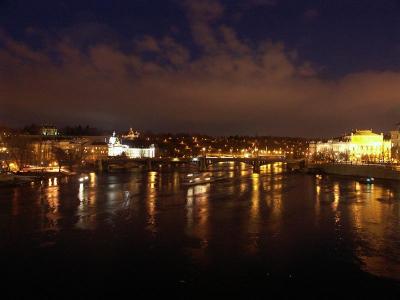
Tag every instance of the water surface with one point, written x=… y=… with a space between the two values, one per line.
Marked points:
x=251 y=233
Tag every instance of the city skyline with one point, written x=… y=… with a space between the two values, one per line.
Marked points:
x=200 y=148
x=89 y=130
x=279 y=68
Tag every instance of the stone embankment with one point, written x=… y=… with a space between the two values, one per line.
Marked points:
x=389 y=172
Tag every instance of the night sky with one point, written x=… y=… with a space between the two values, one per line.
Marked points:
x=266 y=67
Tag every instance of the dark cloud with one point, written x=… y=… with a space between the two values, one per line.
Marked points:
x=311 y=13
x=232 y=87
x=260 y=2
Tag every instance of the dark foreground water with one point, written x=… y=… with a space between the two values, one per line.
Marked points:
x=142 y=234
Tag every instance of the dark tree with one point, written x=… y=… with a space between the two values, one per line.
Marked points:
x=19 y=149
x=69 y=157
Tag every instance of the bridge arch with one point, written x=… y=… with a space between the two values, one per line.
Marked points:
x=255 y=162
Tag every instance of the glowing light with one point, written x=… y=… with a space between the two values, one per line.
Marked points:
x=13 y=167
x=362 y=145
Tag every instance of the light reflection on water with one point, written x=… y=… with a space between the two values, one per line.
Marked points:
x=52 y=209
x=247 y=213
x=151 y=201
x=369 y=213
x=197 y=213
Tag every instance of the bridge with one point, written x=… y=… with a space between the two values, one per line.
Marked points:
x=202 y=162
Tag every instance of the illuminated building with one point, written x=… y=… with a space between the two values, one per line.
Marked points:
x=395 y=138
x=49 y=131
x=131 y=135
x=89 y=149
x=95 y=151
x=43 y=150
x=116 y=148
x=359 y=146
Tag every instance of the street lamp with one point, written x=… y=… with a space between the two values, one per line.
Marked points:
x=204 y=151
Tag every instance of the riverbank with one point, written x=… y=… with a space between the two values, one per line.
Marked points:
x=13 y=179
x=376 y=171
x=17 y=179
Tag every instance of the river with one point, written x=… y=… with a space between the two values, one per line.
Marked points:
x=146 y=233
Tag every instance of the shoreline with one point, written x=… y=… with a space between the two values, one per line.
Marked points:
x=358 y=171
x=25 y=178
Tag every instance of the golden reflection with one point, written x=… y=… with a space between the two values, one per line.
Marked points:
x=336 y=195
x=81 y=206
x=277 y=167
x=277 y=200
x=277 y=186
x=189 y=208
x=254 y=218
x=151 y=201
x=263 y=169
x=317 y=196
x=160 y=181
x=273 y=201
x=244 y=169
x=175 y=181
x=242 y=187
x=92 y=179
x=87 y=219
x=197 y=213
x=82 y=200
x=318 y=189
x=357 y=188
x=368 y=214
x=152 y=180
x=52 y=200
x=81 y=192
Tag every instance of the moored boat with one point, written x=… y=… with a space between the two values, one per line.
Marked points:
x=367 y=180
x=195 y=179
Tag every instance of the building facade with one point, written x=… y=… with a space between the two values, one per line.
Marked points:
x=49 y=130
x=95 y=151
x=44 y=150
x=359 y=146
x=116 y=148
x=395 y=138
x=131 y=135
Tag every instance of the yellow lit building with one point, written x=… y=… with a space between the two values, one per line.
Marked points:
x=95 y=151
x=359 y=146
x=43 y=150
x=49 y=131
x=131 y=135
x=395 y=137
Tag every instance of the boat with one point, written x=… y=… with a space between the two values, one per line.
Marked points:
x=83 y=178
x=367 y=180
x=11 y=179
x=195 y=179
